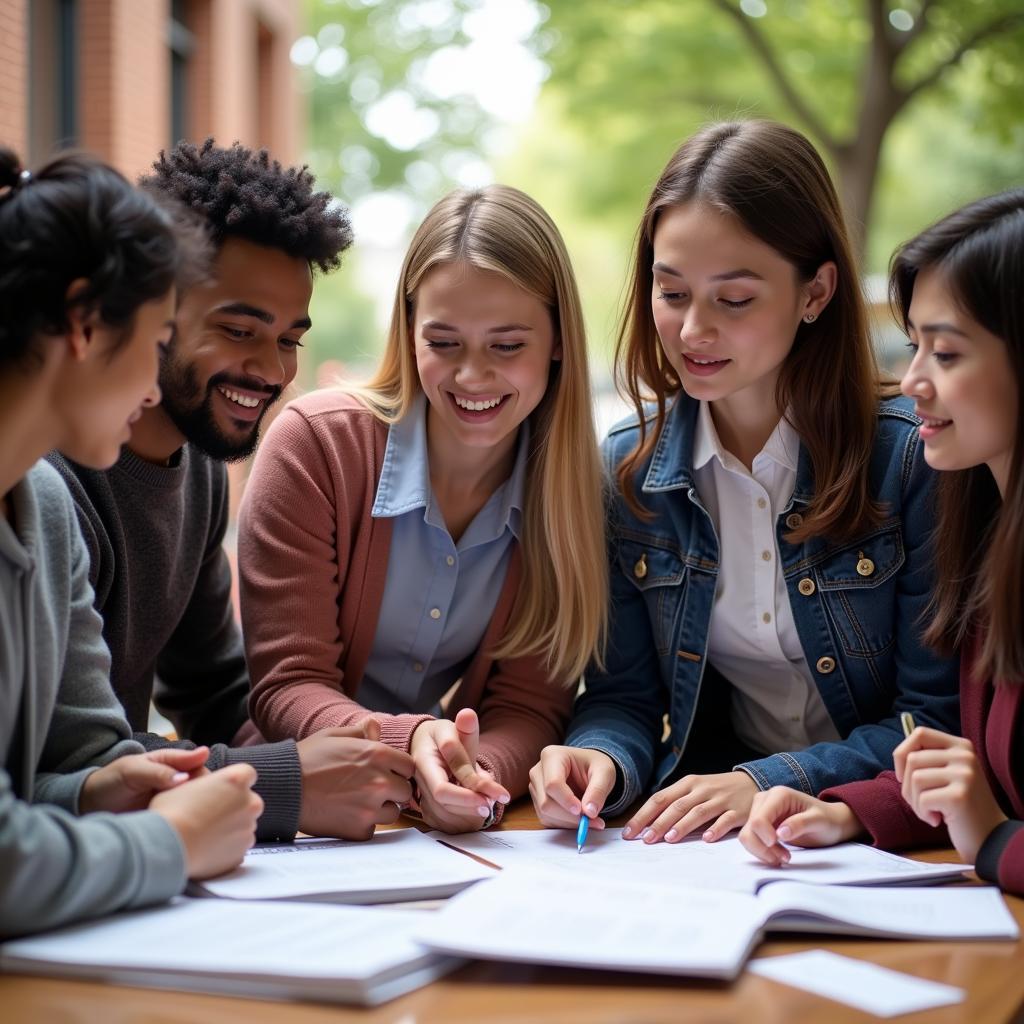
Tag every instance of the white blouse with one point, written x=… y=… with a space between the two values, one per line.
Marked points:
x=752 y=638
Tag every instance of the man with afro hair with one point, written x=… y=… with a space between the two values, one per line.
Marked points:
x=154 y=523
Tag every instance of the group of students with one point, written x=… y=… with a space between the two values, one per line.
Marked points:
x=763 y=575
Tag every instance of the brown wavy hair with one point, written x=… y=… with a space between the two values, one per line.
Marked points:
x=979 y=536
x=774 y=183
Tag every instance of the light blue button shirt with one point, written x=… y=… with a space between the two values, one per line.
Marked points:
x=439 y=596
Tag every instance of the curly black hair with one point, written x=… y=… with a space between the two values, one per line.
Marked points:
x=245 y=194
x=76 y=218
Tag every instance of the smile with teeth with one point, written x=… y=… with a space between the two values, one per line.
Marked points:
x=930 y=422
x=706 y=362
x=243 y=400
x=478 y=405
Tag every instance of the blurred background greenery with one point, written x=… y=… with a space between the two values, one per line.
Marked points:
x=916 y=105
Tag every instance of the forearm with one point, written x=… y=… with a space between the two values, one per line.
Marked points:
x=1001 y=857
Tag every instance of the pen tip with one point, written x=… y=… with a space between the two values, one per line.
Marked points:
x=579 y=847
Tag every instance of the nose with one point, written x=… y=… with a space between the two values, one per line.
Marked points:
x=266 y=362
x=474 y=368
x=915 y=383
x=152 y=397
x=694 y=329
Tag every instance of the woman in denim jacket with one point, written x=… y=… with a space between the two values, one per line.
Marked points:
x=769 y=548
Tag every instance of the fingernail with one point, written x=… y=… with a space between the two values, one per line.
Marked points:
x=784 y=832
x=592 y=810
x=179 y=777
x=647 y=835
x=627 y=833
x=671 y=834
x=483 y=810
x=504 y=798
x=708 y=836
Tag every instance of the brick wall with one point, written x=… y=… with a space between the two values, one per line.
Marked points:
x=14 y=75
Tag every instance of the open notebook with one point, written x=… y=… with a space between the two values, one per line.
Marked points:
x=401 y=864
x=692 y=862
x=544 y=915
x=262 y=950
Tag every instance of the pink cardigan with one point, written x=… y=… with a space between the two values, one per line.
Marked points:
x=312 y=565
x=993 y=720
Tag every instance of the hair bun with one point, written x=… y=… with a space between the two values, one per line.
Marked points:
x=10 y=168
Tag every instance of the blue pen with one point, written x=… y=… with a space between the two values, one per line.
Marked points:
x=581 y=832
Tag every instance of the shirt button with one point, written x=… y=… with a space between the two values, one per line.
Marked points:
x=761 y=503
x=806 y=586
x=825 y=665
x=793 y=520
x=766 y=556
x=450 y=560
x=435 y=613
x=767 y=617
x=417 y=666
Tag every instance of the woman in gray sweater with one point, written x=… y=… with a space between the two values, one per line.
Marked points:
x=88 y=823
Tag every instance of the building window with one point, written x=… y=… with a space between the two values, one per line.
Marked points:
x=182 y=45
x=53 y=77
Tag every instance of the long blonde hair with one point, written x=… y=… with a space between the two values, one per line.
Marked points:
x=560 y=611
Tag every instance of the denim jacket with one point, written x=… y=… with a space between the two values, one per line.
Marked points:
x=857 y=606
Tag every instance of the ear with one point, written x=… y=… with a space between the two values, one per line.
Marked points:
x=556 y=354
x=80 y=323
x=820 y=289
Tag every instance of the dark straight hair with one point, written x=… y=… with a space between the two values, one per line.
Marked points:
x=77 y=218
x=979 y=537
x=774 y=183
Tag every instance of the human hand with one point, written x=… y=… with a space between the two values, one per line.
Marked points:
x=943 y=781
x=560 y=774
x=455 y=793
x=351 y=782
x=783 y=815
x=215 y=818
x=129 y=783
x=693 y=801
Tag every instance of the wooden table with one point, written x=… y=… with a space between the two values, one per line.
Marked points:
x=991 y=972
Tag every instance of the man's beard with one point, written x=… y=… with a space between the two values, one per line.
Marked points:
x=191 y=411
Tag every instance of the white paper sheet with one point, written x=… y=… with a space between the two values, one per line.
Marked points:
x=401 y=864
x=725 y=864
x=260 y=949
x=544 y=915
x=867 y=986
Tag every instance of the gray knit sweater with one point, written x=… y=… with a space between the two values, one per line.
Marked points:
x=163 y=587
x=59 y=720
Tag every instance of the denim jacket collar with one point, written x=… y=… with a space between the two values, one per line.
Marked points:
x=671 y=465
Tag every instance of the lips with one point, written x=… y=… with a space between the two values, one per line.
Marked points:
x=243 y=405
x=703 y=366
x=477 y=408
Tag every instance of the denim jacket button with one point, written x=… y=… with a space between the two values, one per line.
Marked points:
x=865 y=567
x=640 y=569
x=806 y=586
x=793 y=520
x=825 y=665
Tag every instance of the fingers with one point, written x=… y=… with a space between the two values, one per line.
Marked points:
x=559 y=775
x=243 y=776
x=146 y=774
x=758 y=838
x=466 y=772
x=600 y=782
x=179 y=760
x=371 y=730
x=722 y=826
x=467 y=726
x=924 y=738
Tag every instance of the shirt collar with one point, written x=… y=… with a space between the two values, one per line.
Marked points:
x=782 y=447
x=405 y=475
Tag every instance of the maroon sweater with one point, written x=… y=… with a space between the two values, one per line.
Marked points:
x=992 y=717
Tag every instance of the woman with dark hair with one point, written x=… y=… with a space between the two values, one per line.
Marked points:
x=88 y=268
x=769 y=555
x=956 y=288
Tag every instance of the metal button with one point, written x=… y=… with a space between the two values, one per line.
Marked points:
x=793 y=520
x=640 y=569
x=767 y=617
x=450 y=560
x=761 y=503
x=825 y=665
x=865 y=567
x=435 y=613
x=806 y=586
x=766 y=556
x=417 y=666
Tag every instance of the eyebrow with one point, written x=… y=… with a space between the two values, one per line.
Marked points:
x=244 y=309
x=943 y=327
x=729 y=275
x=438 y=325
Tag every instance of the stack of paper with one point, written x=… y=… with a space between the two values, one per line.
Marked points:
x=258 y=950
x=550 y=916
x=402 y=864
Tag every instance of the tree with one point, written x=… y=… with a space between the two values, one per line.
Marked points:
x=841 y=71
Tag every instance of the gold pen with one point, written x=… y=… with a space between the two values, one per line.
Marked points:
x=907 y=721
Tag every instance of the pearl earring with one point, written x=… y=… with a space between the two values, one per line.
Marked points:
x=810 y=318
